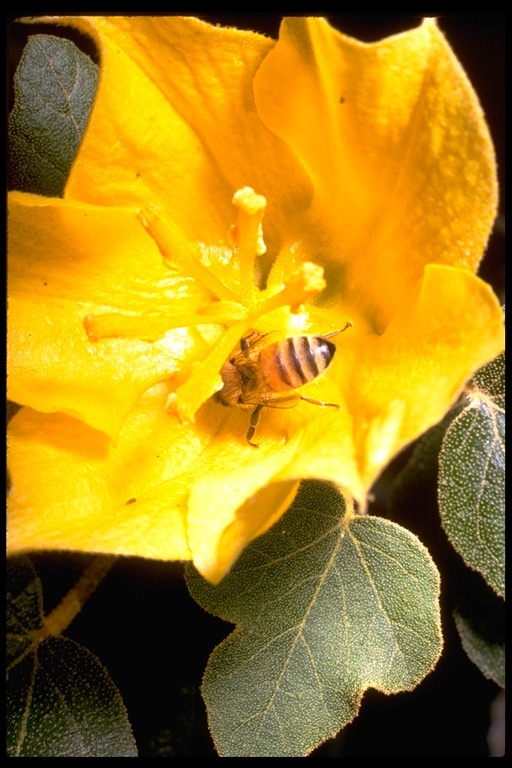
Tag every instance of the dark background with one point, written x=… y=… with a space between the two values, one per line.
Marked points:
x=155 y=641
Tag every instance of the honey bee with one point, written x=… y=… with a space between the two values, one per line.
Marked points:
x=268 y=375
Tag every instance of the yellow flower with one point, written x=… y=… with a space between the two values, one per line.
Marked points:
x=228 y=183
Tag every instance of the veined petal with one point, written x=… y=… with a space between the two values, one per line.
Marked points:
x=404 y=174
x=244 y=500
x=66 y=261
x=125 y=497
x=163 y=489
x=402 y=382
x=174 y=122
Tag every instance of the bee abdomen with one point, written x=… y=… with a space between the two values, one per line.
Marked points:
x=295 y=361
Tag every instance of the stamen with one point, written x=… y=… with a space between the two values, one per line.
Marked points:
x=147 y=327
x=304 y=283
x=247 y=233
x=115 y=325
x=240 y=303
x=307 y=281
x=177 y=251
x=188 y=397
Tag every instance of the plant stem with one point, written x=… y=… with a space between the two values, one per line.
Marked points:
x=71 y=605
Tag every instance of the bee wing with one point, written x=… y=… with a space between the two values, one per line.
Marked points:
x=277 y=400
x=251 y=344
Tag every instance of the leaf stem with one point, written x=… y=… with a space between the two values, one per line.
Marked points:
x=70 y=606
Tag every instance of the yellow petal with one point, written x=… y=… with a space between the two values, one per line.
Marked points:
x=132 y=496
x=237 y=501
x=174 y=122
x=403 y=381
x=404 y=172
x=67 y=260
x=90 y=495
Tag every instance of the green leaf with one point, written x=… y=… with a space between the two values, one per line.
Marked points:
x=471 y=490
x=481 y=647
x=418 y=478
x=327 y=606
x=480 y=620
x=61 y=701
x=491 y=380
x=54 y=85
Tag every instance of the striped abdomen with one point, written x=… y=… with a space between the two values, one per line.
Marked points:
x=292 y=362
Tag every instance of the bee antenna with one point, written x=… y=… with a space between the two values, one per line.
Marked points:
x=348 y=324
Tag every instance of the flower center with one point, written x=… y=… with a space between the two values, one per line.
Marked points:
x=226 y=273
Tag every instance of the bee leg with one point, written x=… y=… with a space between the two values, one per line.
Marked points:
x=255 y=415
x=319 y=402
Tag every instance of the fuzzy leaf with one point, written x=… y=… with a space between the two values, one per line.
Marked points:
x=483 y=650
x=480 y=619
x=54 y=86
x=326 y=607
x=471 y=487
x=420 y=472
x=61 y=701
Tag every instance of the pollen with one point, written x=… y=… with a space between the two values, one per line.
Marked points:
x=302 y=285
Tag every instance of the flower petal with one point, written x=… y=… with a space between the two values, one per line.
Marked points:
x=404 y=173
x=236 y=500
x=404 y=381
x=174 y=122
x=132 y=497
x=67 y=260
x=111 y=498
